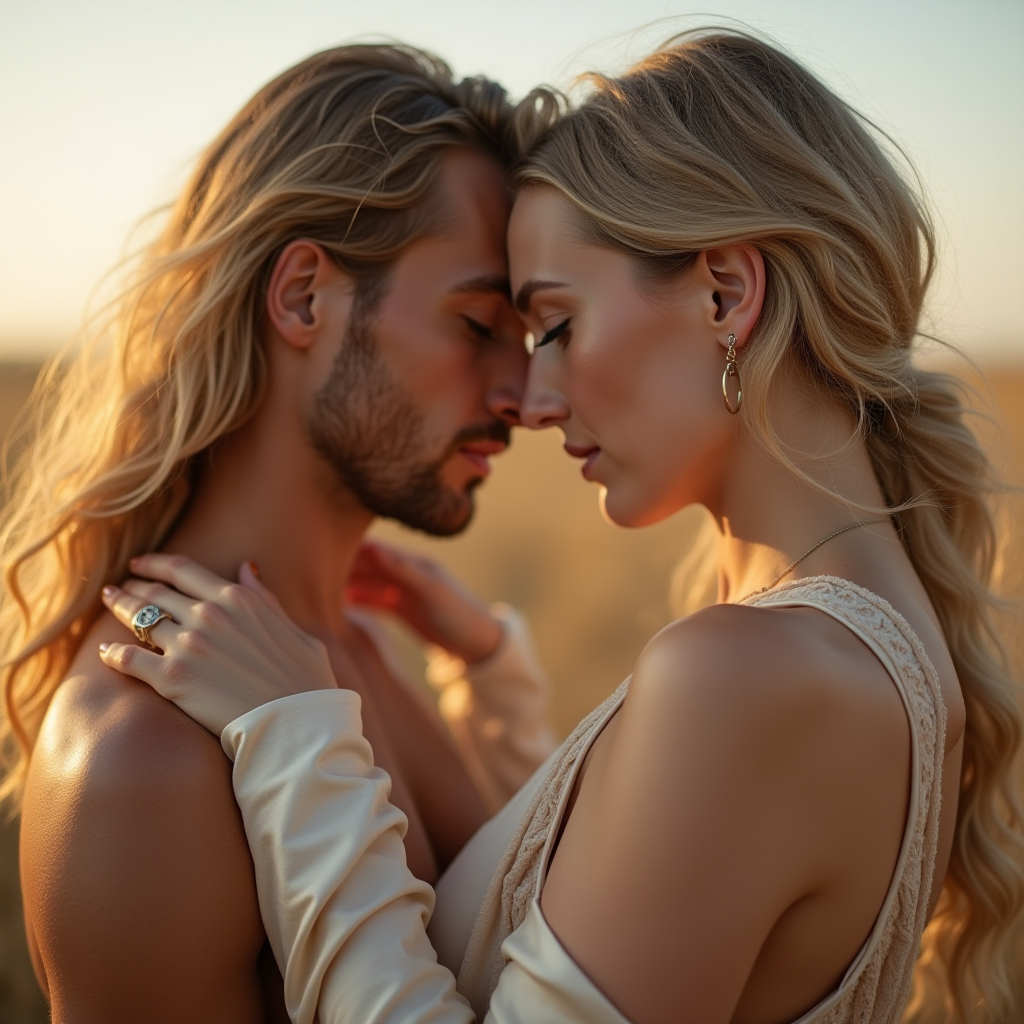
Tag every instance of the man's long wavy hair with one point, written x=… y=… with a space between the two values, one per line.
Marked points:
x=343 y=149
x=719 y=138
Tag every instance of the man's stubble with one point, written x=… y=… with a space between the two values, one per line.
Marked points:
x=372 y=436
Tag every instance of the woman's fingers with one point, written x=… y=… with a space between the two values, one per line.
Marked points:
x=386 y=596
x=248 y=576
x=378 y=568
x=181 y=573
x=164 y=597
x=135 y=661
x=125 y=606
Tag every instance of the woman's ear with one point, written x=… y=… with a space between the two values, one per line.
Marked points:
x=736 y=276
x=305 y=286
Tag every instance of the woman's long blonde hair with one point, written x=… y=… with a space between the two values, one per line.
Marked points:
x=343 y=149
x=718 y=138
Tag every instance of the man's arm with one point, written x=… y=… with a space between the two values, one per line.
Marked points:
x=138 y=882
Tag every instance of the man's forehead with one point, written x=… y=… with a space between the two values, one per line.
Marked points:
x=471 y=196
x=485 y=284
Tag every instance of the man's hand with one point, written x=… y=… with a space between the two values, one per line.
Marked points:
x=427 y=597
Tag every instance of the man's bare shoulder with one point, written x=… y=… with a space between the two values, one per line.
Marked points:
x=138 y=880
x=111 y=730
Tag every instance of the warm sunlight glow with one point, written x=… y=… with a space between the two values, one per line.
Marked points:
x=105 y=107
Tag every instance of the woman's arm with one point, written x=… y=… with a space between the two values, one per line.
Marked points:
x=493 y=693
x=345 y=916
x=497 y=710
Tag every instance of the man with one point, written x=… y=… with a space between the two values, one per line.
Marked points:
x=322 y=335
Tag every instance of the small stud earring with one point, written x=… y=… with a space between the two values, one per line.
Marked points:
x=732 y=370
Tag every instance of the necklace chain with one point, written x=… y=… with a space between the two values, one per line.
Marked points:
x=814 y=547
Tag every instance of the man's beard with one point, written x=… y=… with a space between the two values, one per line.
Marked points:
x=369 y=432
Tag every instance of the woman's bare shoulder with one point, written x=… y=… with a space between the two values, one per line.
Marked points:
x=776 y=671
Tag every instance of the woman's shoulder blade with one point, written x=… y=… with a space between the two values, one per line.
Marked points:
x=743 y=685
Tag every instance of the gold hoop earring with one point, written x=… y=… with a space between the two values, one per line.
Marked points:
x=732 y=370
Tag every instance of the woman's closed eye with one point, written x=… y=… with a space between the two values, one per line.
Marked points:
x=555 y=332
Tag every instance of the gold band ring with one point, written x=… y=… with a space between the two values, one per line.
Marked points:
x=145 y=619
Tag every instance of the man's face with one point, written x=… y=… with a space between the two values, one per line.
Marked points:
x=428 y=380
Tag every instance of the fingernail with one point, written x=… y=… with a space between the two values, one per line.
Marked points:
x=255 y=569
x=109 y=591
x=104 y=648
x=134 y=561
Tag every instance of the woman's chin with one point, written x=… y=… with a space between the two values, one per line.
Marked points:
x=628 y=512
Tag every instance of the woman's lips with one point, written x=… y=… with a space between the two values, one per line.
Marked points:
x=589 y=456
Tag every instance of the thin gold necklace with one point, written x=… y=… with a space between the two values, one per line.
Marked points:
x=814 y=547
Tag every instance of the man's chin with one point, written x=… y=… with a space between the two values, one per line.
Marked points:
x=449 y=516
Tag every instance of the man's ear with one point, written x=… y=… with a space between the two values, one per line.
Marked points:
x=735 y=277
x=305 y=287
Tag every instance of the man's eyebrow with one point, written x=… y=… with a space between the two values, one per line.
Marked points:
x=529 y=287
x=485 y=285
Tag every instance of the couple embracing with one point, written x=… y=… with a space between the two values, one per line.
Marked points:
x=799 y=807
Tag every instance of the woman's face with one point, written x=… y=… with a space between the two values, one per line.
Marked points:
x=632 y=371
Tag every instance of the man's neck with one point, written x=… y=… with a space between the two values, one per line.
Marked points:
x=265 y=496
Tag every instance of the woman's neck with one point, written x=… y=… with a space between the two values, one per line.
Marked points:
x=767 y=516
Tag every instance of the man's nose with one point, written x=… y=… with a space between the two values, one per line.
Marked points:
x=507 y=384
x=543 y=403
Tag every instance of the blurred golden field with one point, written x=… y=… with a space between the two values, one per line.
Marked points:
x=593 y=593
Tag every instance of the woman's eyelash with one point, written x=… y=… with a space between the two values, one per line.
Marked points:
x=555 y=332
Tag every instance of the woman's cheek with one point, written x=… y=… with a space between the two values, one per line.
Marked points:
x=599 y=388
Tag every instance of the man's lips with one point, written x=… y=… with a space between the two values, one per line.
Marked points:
x=588 y=453
x=478 y=452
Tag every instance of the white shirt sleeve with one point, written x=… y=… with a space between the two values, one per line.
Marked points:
x=344 y=915
x=497 y=710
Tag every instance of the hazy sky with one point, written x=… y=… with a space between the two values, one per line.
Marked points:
x=104 y=104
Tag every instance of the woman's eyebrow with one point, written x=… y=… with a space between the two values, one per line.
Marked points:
x=525 y=293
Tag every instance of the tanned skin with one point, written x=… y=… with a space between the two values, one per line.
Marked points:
x=138 y=882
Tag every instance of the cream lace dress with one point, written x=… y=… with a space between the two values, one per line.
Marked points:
x=347 y=920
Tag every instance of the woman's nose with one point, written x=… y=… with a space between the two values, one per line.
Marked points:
x=543 y=403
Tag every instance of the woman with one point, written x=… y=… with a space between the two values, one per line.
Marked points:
x=723 y=272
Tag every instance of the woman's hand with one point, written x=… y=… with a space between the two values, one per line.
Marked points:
x=427 y=597
x=230 y=646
